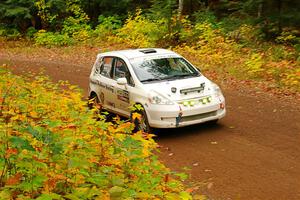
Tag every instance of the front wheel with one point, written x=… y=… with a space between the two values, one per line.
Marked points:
x=141 y=124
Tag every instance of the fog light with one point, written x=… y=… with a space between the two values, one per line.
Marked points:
x=185 y=103
x=209 y=99
x=192 y=103
x=222 y=105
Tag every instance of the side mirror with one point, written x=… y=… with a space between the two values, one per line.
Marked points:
x=122 y=81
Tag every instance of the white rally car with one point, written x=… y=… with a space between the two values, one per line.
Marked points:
x=171 y=91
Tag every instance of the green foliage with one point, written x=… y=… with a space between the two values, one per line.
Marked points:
x=163 y=9
x=54 y=13
x=107 y=26
x=205 y=16
x=9 y=33
x=76 y=29
x=30 y=32
x=52 y=147
x=288 y=37
x=17 y=13
x=50 y=39
x=246 y=35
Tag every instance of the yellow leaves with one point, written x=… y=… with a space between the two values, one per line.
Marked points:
x=36 y=144
x=54 y=139
x=33 y=114
x=24 y=152
x=139 y=31
x=136 y=115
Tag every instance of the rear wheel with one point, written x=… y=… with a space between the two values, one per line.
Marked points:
x=94 y=102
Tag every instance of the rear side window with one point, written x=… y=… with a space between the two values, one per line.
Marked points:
x=98 y=64
x=106 y=66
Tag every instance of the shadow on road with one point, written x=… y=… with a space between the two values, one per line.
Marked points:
x=204 y=128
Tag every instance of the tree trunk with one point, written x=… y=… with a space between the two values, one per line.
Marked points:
x=259 y=11
x=180 y=8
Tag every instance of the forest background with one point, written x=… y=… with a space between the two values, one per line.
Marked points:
x=251 y=39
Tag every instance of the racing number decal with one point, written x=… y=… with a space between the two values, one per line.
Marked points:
x=123 y=95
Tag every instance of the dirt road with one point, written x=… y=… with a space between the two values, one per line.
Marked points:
x=253 y=153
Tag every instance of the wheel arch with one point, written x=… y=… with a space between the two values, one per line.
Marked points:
x=93 y=94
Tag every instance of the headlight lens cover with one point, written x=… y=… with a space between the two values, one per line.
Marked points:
x=217 y=90
x=156 y=98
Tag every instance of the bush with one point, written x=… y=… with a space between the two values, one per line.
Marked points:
x=288 y=37
x=50 y=39
x=76 y=29
x=9 y=33
x=107 y=26
x=205 y=16
x=254 y=65
x=52 y=147
x=139 y=31
x=30 y=32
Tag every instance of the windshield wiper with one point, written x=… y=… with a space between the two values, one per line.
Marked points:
x=150 y=79
x=181 y=76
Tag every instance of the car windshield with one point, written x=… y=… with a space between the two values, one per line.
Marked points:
x=157 y=69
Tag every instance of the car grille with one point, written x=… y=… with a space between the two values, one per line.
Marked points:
x=198 y=116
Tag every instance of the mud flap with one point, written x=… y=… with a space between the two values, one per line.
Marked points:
x=178 y=119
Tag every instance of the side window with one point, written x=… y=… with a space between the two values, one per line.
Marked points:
x=121 y=71
x=105 y=67
x=98 y=64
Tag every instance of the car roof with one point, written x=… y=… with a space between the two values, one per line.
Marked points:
x=136 y=53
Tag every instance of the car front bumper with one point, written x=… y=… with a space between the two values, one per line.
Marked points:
x=177 y=115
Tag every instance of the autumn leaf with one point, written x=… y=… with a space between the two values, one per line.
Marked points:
x=50 y=184
x=10 y=152
x=136 y=115
x=33 y=114
x=14 y=180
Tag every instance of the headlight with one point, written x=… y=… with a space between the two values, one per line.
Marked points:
x=156 y=98
x=217 y=90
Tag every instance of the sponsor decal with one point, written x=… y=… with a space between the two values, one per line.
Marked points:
x=103 y=85
x=110 y=88
x=195 y=89
x=109 y=103
x=123 y=95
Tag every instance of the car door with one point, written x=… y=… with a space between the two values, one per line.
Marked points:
x=102 y=78
x=122 y=92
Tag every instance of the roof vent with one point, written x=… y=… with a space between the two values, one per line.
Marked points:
x=148 y=51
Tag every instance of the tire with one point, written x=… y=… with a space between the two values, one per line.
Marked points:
x=143 y=124
x=94 y=102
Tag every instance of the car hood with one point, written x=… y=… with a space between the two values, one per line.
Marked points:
x=181 y=89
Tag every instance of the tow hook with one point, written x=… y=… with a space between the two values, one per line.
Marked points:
x=179 y=117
